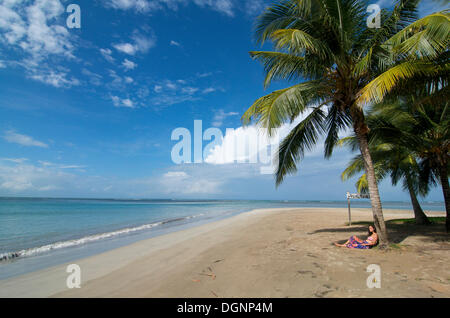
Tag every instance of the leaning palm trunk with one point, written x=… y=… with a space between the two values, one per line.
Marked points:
x=375 y=200
x=446 y=189
x=419 y=215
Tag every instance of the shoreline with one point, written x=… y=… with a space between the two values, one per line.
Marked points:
x=166 y=265
x=121 y=255
x=157 y=225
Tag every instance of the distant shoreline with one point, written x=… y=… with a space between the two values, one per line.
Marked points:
x=192 y=200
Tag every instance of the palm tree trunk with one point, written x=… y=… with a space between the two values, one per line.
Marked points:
x=443 y=174
x=419 y=215
x=377 y=209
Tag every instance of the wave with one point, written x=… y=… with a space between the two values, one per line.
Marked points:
x=87 y=239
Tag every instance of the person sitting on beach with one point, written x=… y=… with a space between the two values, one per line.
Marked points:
x=355 y=242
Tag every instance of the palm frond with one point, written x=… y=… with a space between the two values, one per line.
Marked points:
x=336 y=121
x=278 y=16
x=404 y=12
x=375 y=90
x=284 y=105
x=355 y=166
x=302 y=138
x=426 y=37
x=298 y=41
x=286 y=66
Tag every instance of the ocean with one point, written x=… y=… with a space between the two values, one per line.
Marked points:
x=37 y=233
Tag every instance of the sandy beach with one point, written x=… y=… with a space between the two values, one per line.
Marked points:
x=262 y=253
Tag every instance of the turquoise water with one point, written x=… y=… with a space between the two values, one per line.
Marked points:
x=37 y=233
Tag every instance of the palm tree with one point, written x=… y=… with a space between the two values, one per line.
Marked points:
x=343 y=65
x=396 y=161
x=420 y=126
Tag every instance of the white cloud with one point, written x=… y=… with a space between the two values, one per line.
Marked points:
x=41 y=37
x=220 y=116
x=209 y=90
x=106 y=53
x=223 y=6
x=59 y=166
x=71 y=167
x=118 y=102
x=169 y=100
x=94 y=78
x=170 y=85
x=176 y=174
x=28 y=178
x=189 y=90
x=15 y=160
x=127 y=103
x=243 y=145
x=255 y=7
x=170 y=92
x=53 y=77
x=117 y=80
x=181 y=183
x=28 y=27
x=143 y=43
x=47 y=188
x=148 y=6
x=174 y=43
x=129 y=65
x=34 y=29
x=46 y=163
x=126 y=48
x=11 y=23
x=138 y=5
x=128 y=80
x=140 y=44
x=206 y=74
x=24 y=140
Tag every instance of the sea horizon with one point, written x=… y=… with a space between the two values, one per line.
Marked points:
x=196 y=200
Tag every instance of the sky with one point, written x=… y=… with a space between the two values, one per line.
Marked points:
x=97 y=111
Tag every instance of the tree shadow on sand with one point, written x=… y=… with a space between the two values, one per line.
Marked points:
x=398 y=230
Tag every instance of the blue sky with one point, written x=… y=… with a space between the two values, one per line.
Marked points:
x=89 y=112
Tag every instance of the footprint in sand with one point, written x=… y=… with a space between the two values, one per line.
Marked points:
x=324 y=290
x=307 y=272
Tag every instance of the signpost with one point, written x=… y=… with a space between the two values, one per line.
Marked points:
x=354 y=196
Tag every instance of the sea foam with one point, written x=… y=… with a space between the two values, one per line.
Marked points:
x=87 y=239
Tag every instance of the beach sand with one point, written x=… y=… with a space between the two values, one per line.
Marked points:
x=262 y=253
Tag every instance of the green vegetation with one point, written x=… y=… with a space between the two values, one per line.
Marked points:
x=409 y=140
x=433 y=220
